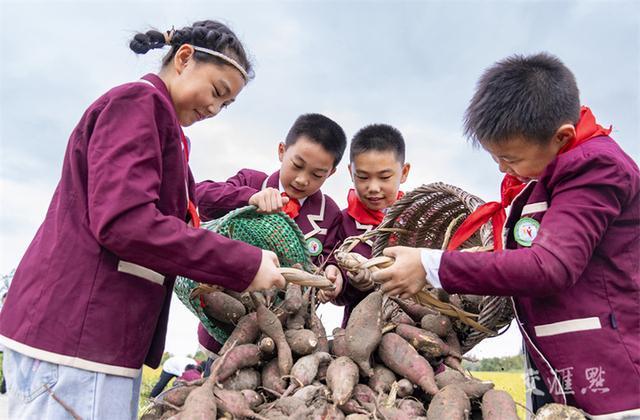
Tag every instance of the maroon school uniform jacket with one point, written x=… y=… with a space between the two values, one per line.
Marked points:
x=576 y=286
x=319 y=217
x=94 y=287
x=351 y=296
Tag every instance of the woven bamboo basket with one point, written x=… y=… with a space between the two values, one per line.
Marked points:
x=427 y=217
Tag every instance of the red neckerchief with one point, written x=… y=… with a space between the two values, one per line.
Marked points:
x=586 y=129
x=192 y=211
x=292 y=208
x=361 y=213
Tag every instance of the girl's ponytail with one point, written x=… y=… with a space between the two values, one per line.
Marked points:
x=208 y=34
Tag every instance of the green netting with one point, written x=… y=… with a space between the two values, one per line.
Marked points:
x=274 y=232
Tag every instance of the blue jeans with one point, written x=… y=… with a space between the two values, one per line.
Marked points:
x=91 y=395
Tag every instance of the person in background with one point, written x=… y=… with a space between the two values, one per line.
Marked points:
x=173 y=367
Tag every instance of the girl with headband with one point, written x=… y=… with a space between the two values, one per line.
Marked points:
x=89 y=302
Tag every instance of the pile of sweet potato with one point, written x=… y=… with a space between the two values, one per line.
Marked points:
x=279 y=363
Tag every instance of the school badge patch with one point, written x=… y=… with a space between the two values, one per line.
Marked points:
x=314 y=246
x=526 y=230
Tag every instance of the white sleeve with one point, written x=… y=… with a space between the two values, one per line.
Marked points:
x=431 y=263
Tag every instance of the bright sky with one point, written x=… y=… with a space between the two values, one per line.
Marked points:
x=407 y=63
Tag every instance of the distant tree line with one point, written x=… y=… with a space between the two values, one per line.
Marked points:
x=497 y=364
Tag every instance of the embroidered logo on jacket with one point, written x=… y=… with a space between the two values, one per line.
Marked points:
x=314 y=246
x=526 y=230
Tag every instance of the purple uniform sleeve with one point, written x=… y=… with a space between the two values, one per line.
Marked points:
x=215 y=199
x=124 y=179
x=586 y=195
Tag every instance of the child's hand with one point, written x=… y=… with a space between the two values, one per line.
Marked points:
x=361 y=281
x=406 y=276
x=333 y=274
x=268 y=275
x=268 y=201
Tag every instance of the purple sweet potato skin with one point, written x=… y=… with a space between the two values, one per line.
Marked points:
x=246 y=332
x=270 y=325
x=224 y=308
x=498 y=405
x=364 y=331
x=271 y=377
x=246 y=355
x=381 y=379
x=342 y=377
x=404 y=360
x=339 y=343
x=449 y=403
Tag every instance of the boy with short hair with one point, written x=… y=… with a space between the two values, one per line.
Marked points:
x=572 y=239
x=309 y=155
x=377 y=168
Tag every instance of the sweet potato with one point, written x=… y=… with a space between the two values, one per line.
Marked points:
x=405 y=388
x=426 y=342
x=381 y=379
x=297 y=320
x=414 y=310
x=448 y=377
x=246 y=332
x=326 y=411
x=475 y=389
x=311 y=392
x=339 y=343
x=304 y=371
x=252 y=397
x=438 y=324
x=200 y=404
x=224 y=308
x=246 y=378
x=400 y=317
x=342 y=376
x=498 y=405
x=302 y=342
x=352 y=407
x=267 y=347
x=404 y=360
x=449 y=403
x=271 y=378
x=245 y=355
x=555 y=411
x=452 y=361
x=364 y=331
x=365 y=397
x=315 y=325
x=234 y=403
x=177 y=395
x=357 y=417
x=271 y=326
x=292 y=299
x=411 y=408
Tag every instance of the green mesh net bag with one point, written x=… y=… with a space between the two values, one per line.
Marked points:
x=273 y=232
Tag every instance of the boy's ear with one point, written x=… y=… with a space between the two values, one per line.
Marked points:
x=565 y=134
x=281 y=149
x=405 y=172
x=350 y=172
x=333 y=171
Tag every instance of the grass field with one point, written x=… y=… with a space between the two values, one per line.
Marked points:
x=512 y=382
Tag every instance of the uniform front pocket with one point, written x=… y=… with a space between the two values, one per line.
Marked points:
x=27 y=377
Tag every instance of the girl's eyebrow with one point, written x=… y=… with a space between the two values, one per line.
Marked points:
x=226 y=87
